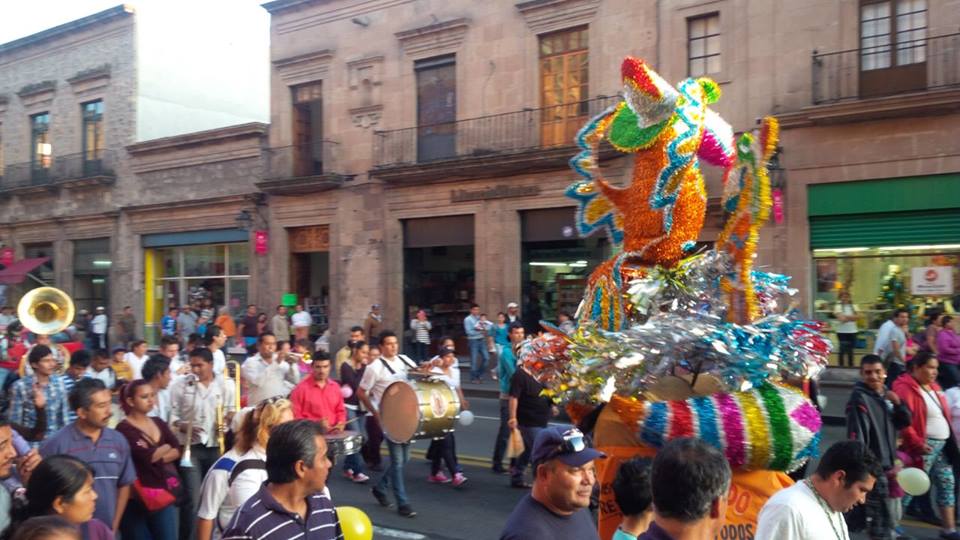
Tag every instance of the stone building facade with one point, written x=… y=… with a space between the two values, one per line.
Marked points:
x=442 y=162
x=79 y=189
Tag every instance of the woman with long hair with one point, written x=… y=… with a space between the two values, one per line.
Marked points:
x=929 y=439
x=351 y=372
x=62 y=486
x=155 y=451
x=240 y=472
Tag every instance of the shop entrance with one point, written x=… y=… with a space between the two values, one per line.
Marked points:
x=310 y=271
x=556 y=264
x=438 y=274
x=91 y=270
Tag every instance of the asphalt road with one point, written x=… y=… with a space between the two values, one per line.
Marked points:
x=478 y=509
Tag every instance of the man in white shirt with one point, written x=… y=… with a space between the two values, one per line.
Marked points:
x=157 y=372
x=99 y=328
x=301 y=323
x=890 y=344
x=266 y=374
x=216 y=340
x=194 y=400
x=379 y=374
x=813 y=509
x=136 y=358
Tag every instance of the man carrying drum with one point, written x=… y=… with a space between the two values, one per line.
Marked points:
x=381 y=373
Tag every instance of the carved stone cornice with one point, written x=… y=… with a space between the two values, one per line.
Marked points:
x=307 y=67
x=434 y=39
x=549 y=15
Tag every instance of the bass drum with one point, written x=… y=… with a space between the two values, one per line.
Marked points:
x=413 y=410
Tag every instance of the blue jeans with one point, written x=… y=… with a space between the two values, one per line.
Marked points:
x=393 y=476
x=141 y=524
x=354 y=462
x=478 y=348
x=529 y=435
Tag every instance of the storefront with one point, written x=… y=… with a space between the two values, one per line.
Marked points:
x=555 y=263
x=91 y=273
x=438 y=273
x=206 y=269
x=310 y=271
x=889 y=243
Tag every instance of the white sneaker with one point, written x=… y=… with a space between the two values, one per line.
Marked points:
x=360 y=478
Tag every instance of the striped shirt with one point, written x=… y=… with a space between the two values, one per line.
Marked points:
x=421 y=330
x=263 y=518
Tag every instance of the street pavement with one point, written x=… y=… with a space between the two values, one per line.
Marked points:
x=478 y=509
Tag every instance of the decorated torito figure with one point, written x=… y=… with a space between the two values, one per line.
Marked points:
x=672 y=343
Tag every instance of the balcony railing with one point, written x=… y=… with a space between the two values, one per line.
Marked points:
x=316 y=158
x=883 y=70
x=54 y=170
x=528 y=129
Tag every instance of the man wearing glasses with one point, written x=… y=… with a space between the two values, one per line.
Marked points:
x=564 y=475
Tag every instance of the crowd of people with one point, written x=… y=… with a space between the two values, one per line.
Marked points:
x=170 y=444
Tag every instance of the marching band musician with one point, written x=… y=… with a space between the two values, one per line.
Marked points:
x=267 y=374
x=380 y=374
x=60 y=354
x=194 y=403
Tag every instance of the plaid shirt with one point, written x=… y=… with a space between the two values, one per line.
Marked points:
x=22 y=411
x=68 y=384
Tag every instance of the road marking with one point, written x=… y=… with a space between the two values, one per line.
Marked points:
x=394 y=533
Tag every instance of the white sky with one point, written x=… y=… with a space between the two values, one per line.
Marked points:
x=20 y=18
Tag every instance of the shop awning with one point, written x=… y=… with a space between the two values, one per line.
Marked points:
x=17 y=271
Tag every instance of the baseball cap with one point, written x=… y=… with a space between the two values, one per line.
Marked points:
x=375 y=306
x=446 y=350
x=512 y=305
x=569 y=445
x=117 y=349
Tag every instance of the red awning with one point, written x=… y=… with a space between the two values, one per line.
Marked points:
x=17 y=271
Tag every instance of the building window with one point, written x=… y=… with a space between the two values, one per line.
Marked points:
x=93 y=142
x=564 y=80
x=436 y=108
x=308 y=128
x=703 y=45
x=889 y=26
x=41 y=151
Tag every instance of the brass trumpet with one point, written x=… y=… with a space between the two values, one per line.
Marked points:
x=185 y=459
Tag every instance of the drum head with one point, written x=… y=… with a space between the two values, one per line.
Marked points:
x=400 y=412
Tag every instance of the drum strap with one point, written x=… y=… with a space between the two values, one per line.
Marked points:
x=403 y=359
x=245 y=465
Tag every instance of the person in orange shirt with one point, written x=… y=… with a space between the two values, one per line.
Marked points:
x=227 y=324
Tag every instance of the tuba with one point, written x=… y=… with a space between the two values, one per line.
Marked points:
x=45 y=310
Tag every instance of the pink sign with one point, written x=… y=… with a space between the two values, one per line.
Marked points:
x=777 y=206
x=261 y=242
x=6 y=256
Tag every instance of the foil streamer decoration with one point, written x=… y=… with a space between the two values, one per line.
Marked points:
x=760 y=427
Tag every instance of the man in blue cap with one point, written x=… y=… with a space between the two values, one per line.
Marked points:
x=564 y=475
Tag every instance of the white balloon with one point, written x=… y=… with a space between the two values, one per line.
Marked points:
x=466 y=418
x=914 y=481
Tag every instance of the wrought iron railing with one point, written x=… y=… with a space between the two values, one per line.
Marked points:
x=886 y=69
x=50 y=170
x=314 y=158
x=527 y=129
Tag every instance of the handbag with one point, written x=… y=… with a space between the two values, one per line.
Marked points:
x=515 y=444
x=153 y=498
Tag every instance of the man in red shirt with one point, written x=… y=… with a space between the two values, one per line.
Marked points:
x=318 y=397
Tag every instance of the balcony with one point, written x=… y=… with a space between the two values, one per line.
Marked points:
x=54 y=172
x=909 y=66
x=302 y=168
x=495 y=145
x=910 y=78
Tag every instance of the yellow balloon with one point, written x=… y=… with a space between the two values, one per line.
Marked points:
x=354 y=523
x=914 y=481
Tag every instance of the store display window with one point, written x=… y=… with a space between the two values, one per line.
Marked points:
x=879 y=280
